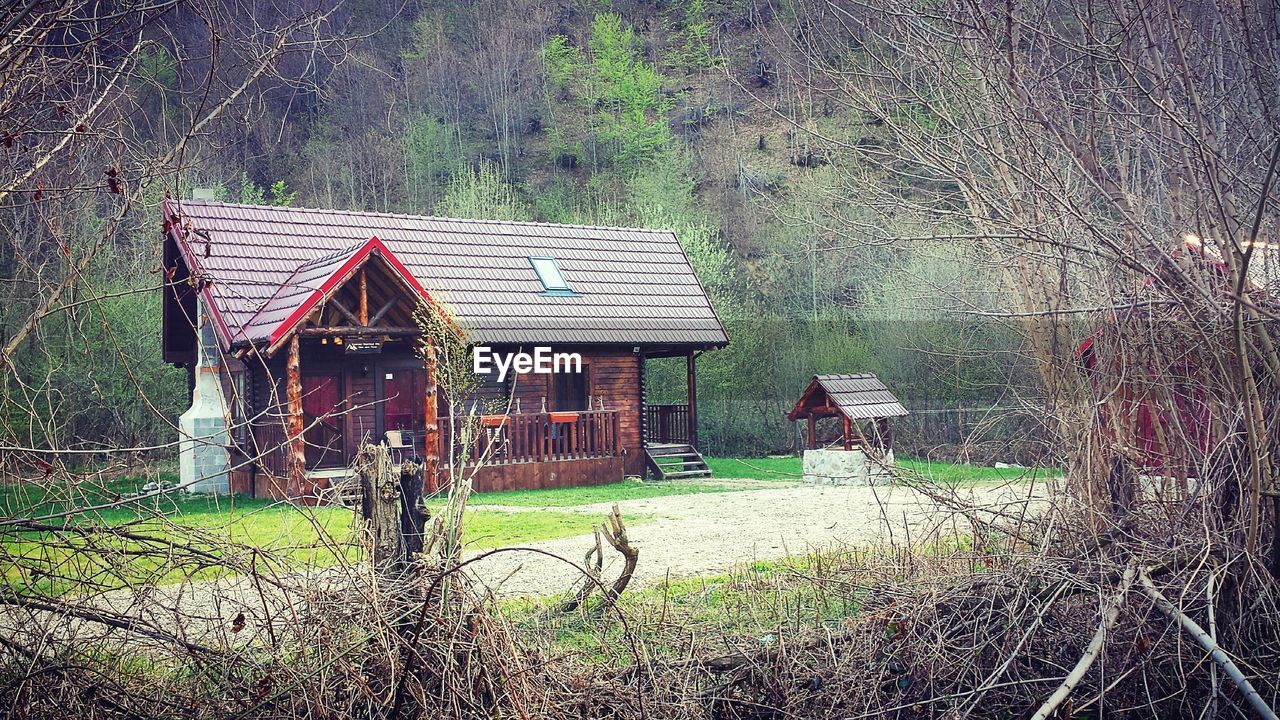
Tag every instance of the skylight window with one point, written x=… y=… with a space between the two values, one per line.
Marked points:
x=549 y=273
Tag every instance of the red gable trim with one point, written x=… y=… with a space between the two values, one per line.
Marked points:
x=372 y=247
x=173 y=225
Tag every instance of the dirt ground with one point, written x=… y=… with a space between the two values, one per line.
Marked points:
x=696 y=534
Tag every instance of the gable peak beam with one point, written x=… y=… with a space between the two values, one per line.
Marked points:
x=390 y=331
x=343 y=309
x=364 y=296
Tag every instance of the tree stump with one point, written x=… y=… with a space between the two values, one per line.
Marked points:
x=379 y=506
x=391 y=506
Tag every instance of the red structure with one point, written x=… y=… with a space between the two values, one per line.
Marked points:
x=319 y=351
x=1152 y=371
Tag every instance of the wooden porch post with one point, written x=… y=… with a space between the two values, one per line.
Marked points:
x=886 y=435
x=848 y=435
x=692 y=371
x=813 y=432
x=296 y=486
x=431 y=421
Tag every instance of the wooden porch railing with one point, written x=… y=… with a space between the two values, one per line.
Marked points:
x=270 y=447
x=537 y=437
x=666 y=423
x=501 y=439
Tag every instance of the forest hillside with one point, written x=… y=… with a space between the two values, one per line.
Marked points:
x=687 y=116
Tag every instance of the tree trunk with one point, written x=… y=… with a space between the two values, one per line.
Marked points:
x=296 y=486
x=413 y=513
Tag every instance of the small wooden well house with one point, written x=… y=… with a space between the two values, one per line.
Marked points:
x=863 y=406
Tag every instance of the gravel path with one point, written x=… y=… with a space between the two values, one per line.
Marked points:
x=694 y=534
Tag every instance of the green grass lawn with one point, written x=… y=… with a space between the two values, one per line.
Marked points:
x=765 y=468
x=789 y=468
x=264 y=523
x=294 y=536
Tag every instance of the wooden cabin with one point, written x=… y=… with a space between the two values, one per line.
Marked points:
x=309 y=324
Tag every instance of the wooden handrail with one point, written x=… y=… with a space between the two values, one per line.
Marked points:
x=666 y=423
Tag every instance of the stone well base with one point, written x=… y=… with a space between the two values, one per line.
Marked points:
x=846 y=467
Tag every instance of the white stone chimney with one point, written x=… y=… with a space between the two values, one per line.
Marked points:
x=203 y=461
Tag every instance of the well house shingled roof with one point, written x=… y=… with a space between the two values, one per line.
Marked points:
x=630 y=286
x=857 y=397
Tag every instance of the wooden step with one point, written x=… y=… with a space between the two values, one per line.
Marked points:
x=675 y=461
x=704 y=472
x=690 y=465
x=684 y=457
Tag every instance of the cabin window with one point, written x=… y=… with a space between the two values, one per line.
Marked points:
x=403 y=391
x=573 y=390
x=239 y=407
x=549 y=273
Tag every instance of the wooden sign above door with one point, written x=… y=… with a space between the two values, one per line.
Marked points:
x=363 y=347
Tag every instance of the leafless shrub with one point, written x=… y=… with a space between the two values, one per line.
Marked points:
x=1083 y=151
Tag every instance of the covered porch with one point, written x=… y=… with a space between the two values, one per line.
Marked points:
x=516 y=450
x=512 y=452
x=519 y=451
x=671 y=430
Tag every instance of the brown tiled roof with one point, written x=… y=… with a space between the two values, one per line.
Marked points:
x=1264 y=265
x=307 y=280
x=857 y=397
x=630 y=286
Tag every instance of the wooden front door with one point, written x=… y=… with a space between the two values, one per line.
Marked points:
x=323 y=410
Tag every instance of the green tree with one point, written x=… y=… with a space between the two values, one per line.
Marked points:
x=481 y=193
x=624 y=123
x=691 y=40
x=276 y=194
x=435 y=151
